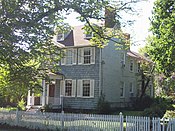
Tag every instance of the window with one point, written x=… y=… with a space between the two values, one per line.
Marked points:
x=60 y=37
x=122 y=89
x=86 y=55
x=70 y=57
x=138 y=67
x=88 y=35
x=85 y=88
x=131 y=67
x=131 y=87
x=68 y=87
x=123 y=59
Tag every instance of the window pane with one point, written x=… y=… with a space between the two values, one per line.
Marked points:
x=122 y=89
x=68 y=87
x=69 y=57
x=131 y=65
x=131 y=88
x=87 y=55
x=86 y=87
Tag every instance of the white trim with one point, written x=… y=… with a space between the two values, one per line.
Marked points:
x=131 y=61
x=61 y=38
x=122 y=85
x=71 y=57
x=81 y=55
x=88 y=35
x=80 y=88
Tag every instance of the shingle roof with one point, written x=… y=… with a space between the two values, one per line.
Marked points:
x=138 y=56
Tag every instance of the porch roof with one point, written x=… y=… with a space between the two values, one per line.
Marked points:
x=57 y=75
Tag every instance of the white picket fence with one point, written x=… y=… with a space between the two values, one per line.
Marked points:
x=84 y=122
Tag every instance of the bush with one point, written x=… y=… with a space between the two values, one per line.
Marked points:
x=154 y=111
x=21 y=105
x=169 y=114
x=141 y=104
x=103 y=107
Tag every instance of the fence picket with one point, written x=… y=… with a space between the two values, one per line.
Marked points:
x=85 y=122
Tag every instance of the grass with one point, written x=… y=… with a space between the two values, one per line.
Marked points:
x=130 y=113
x=8 y=109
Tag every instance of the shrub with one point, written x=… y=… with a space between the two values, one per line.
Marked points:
x=154 y=111
x=21 y=105
x=141 y=104
x=169 y=114
x=103 y=107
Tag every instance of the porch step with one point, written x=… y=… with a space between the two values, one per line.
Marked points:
x=34 y=108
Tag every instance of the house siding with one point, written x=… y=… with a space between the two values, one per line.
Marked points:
x=78 y=72
x=114 y=73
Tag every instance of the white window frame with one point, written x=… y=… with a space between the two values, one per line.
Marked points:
x=88 y=35
x=123 y=57
x=81 y=55
x=63 y=88
x=61 y=37
x=80 y=88
x=122 y=89
x=138 y=67
x=131 y=87
x=131 y=64
x=73 y=57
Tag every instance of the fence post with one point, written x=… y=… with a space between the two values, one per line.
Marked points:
x=62 y=120
x=121 y=121
x=17 y=116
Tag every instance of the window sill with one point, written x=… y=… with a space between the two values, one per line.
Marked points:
x=85 y=97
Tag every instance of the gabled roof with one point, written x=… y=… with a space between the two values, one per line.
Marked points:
x=75 y=37
x=138 y=56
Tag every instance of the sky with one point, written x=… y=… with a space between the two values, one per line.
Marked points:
x=139 y=30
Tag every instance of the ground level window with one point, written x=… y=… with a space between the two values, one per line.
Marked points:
x=122 y=89
x=68 y=87
x=86 y=87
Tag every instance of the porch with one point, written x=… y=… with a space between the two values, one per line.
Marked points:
x=50 y=94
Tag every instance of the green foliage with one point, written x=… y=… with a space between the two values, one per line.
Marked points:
x=141 y=104
x=159 y=107
x=161 y=47
x=8 y=109
x=169 y=114
x=153 y=111
x=21 y=104
x=103 y=107
x=161 y=44
x=27 y=49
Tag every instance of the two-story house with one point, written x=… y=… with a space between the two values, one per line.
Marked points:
x=87 y=72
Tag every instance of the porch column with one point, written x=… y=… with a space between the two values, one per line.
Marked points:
x=47 y=101
x=28 y=98
x=44 y=93
x=33 y=98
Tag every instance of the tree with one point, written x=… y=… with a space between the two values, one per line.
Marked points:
x=161 y=45
x=27 y=28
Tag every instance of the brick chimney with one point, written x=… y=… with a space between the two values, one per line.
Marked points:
x=110 y=14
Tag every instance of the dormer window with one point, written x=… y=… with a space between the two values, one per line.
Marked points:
x=60 y=37
x=89 y=35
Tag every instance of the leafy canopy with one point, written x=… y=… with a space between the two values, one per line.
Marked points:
x=27 y=28
x=161 y=45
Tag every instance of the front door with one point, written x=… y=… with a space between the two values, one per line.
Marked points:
x=52 y=90
x=51 y=94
